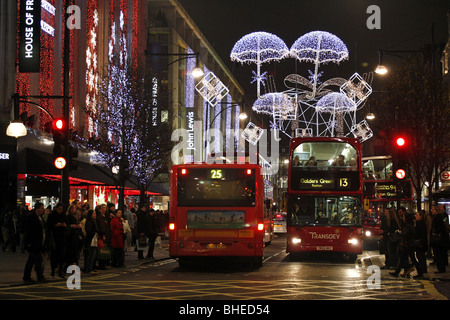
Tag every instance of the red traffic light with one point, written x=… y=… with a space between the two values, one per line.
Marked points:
x=59 y=124
x=400 y=142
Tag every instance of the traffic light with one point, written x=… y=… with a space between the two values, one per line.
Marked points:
x=60 y=137
x=401 y=156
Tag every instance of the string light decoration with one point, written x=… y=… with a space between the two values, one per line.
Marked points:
x=252 y=133
x=259 y=47
x=356 y=88
x=91 y=63
x=336 y=104
x=319 y=47
x=318 y=107
x=212 y=89
x=189 y=81
x=46 y=74
x=277 y=104
x=362 y=131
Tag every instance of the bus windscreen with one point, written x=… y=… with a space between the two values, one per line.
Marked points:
x=216 y=187
x=324 y=211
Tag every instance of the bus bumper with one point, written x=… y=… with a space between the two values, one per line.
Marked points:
x=350 y=248
x=215 y=248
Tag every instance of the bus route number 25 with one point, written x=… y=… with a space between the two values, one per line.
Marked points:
x=216 y=174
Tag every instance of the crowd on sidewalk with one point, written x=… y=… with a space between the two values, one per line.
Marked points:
x=100 y=236
x=407 y=240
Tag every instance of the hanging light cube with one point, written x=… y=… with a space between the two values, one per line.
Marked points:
x=362 y=131
x=252 y=133
x=356 y=89
x=212 y=89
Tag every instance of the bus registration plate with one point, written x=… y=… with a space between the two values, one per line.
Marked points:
x=324 y=248
x=216 y=246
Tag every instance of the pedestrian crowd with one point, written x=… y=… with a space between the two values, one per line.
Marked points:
x=101 y=235
x=407 y=240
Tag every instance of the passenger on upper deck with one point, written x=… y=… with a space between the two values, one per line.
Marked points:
x=296 y=161
x=311 y=162
x=340 y=162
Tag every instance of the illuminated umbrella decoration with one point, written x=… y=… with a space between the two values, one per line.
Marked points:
x=277 y=104
x=319 y=47
x=259 y=47
x=336 y=104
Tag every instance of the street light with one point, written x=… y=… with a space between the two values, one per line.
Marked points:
x=16 y=129
x=381 y=68
x=197 y=72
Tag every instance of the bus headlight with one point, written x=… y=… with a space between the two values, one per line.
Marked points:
x=368 y=233
x=353 y=241
x=296 y=240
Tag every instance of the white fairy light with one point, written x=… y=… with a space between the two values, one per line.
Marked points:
x=252 y=133
x=259 y=47
x=362 y=131
x=278 y=104
x=335 y=102
x=356 y=88
x=212 y=89
x=190 y=81
x=319 y=47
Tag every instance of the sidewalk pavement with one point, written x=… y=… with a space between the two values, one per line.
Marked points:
x=12 y=265
x=379 y=260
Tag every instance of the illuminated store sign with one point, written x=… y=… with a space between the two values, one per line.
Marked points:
x=29 y=35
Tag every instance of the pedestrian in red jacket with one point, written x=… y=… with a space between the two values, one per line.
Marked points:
x=117 y=240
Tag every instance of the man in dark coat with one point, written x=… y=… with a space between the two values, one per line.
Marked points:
x=34 y=243
x=439 y=239
x=142 y=229
x=152 y=233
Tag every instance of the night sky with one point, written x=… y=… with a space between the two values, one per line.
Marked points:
x=405 y=25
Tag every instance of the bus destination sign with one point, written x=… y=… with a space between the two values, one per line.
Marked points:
x=325 y=181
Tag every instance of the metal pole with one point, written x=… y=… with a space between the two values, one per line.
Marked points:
x=65 y=186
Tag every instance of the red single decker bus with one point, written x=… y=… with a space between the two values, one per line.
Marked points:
x=217 y=210
x=325 y=196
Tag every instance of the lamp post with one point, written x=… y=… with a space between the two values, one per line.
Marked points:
x=381 y=69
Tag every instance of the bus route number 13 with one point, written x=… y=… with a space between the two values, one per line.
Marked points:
x=216 y=174
x=343 y=182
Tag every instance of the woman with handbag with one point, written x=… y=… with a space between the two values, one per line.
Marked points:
x=439 y=240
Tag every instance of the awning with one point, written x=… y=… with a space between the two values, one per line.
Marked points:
x=41 y=163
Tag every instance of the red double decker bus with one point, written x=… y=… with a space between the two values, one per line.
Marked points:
x=325 y=195
x=217 y=210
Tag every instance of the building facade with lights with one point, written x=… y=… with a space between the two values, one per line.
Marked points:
x=130 y=29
